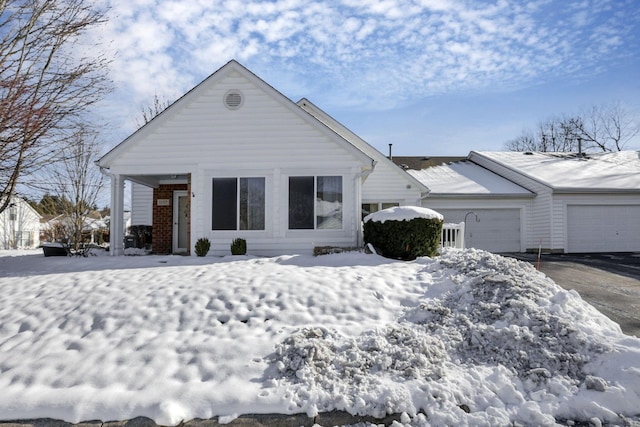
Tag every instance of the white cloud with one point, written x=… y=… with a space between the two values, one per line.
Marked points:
x=378 y=52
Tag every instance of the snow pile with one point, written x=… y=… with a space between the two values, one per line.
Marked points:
x=467 y=338
x=403 y=213
x=500 y=314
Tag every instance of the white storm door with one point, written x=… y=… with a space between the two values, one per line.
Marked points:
x=180 y=221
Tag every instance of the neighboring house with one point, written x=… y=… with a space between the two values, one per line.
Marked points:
x=58 y=227
x=583 y=203
x=494 y=209
x=559 y=202
x=236 y=158
x=19 y=225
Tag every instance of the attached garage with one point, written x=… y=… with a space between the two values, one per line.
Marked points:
x=603 y=228
x=494 y=230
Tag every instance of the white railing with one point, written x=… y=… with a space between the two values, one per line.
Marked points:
x=452 y=235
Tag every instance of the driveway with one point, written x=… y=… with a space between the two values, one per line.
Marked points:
x=609 y=282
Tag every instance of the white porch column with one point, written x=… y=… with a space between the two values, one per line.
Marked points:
x=116 y=232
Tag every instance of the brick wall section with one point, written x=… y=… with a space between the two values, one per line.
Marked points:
x=163 y=218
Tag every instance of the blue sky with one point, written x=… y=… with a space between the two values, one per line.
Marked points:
x=432 y=77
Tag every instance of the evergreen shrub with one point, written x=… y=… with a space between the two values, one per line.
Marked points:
x=202 y=246
x=404 y=240
x=239 y=247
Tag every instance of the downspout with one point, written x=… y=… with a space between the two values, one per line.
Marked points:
x=362 y=176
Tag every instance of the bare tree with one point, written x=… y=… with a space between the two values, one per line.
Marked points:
x=598 y=128
x=153 y=110
x=78 y=182
x=607 y=127
x=555 y=134
x=46 y=84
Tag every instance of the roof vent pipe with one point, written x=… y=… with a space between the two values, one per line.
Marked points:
x=390 y=156
x=579 y=147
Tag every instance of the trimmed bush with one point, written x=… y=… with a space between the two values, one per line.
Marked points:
x=202 y=246
x=239 y=247
x=404 y=239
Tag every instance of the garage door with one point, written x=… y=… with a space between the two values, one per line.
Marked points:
x=498 y=230
x=609 y=228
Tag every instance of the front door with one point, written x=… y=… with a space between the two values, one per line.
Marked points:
x=180 y=221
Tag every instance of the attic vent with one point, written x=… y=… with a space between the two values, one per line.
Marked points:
x=233 y=99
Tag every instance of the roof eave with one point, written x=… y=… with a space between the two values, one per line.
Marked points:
x=482 y=196
x=581 y=190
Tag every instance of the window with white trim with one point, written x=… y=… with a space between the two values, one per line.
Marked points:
x=238 y=204
x=315 y=202
x=369 y=208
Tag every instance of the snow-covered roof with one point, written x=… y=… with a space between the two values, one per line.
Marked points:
x=403 y=213
x=466 y=178
x=616 y=171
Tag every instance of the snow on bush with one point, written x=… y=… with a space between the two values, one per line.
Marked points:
x=403 y=213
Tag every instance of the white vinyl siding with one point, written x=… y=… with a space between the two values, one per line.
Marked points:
x=387 y=183
x=263 y=133
x=19 y=226
x=141 y=204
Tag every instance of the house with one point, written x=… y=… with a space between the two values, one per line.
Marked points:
x=234 y=158
x=19 y=225
x=583 y=203
x=494 y=209
x=557 y=202
x=56 y=227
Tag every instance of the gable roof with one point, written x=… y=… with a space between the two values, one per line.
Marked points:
x=22 y=204
x=571 y=172
x=231 y=66
x=465 y=178
x=360 y=143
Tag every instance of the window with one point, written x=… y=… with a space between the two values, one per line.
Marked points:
x=238 y=204
x=329 y=202
x=369 y=208
x=315 y=202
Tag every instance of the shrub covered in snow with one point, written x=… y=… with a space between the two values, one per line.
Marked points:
x=404 y=232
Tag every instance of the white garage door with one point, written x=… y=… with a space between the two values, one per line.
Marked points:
x=498 y=230
x=603 y=228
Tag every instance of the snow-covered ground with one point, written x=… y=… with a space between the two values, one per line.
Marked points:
x=467 y=338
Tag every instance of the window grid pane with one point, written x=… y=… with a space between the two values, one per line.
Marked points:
x=329 y=202
x=224 y=209
x=252 y=203
x=301 y=203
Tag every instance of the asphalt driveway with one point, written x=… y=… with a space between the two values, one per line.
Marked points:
x=609 y=282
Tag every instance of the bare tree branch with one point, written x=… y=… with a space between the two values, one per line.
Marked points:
x=597 y=128
x=153 y=110
x=46 y=86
